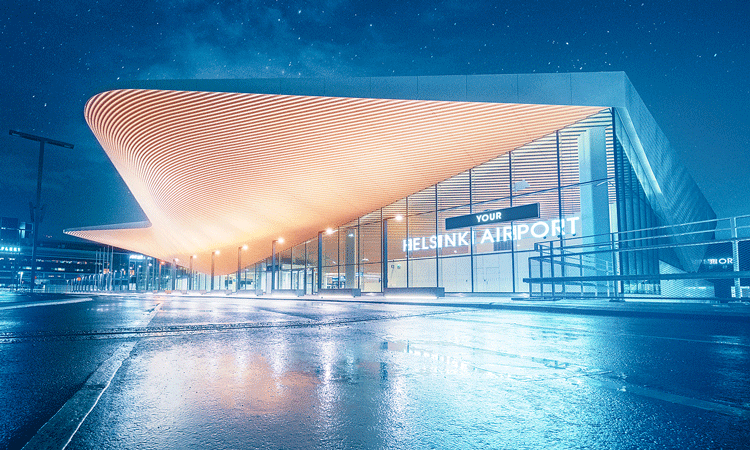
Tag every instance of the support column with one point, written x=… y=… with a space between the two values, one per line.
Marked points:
x=320 y=261
x=735 y=258
x=350 y=261
x=273 y=266
x=384 y=254
x=213 y=256
x=592 y=172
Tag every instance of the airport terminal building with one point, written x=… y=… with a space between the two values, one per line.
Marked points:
x=538 y=184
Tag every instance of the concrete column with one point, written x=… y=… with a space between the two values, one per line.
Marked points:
x=351 y=258
x=384 y=255
x=737 y=291
x=592 y=166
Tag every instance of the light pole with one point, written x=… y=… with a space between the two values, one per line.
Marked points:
x=239 y=263
x=273 y=261
x=37 y=211
x=213 y=256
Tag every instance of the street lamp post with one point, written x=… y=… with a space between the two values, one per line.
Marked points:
x=213 y=256
x=273 y=261
x=37 y=210
x=239 y=263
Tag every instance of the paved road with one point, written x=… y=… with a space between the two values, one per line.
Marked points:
x=200 y=372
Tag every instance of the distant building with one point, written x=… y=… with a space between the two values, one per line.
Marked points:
x=61 y=265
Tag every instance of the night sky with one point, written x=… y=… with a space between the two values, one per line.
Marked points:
x=689 y=61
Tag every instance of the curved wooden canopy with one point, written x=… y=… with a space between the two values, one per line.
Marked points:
x=214 y=171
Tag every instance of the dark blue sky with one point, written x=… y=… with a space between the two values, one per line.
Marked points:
x=689 y=61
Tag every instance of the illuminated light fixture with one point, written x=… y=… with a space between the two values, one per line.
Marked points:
x=211 y=170
x=399 y=217
x=244 y=247
x=329 y=230
x=280 y=240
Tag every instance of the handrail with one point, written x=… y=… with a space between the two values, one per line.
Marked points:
x=588 y=257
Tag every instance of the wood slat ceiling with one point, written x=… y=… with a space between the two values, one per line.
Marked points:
x=214 y=171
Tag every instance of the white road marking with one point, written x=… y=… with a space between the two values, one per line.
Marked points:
x=48 y=303
x=60 y=429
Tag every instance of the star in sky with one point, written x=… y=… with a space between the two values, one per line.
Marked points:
x=688 y=60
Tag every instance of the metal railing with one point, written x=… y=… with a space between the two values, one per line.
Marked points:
x=691 y=260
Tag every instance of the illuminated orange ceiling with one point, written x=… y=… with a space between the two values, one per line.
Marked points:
x=218 y=170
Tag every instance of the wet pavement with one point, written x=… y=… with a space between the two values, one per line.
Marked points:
x=163 y=372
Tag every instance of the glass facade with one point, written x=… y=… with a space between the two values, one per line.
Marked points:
x=569 y=173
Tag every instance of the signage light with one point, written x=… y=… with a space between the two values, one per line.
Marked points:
x=537 y=230
x=530 y=211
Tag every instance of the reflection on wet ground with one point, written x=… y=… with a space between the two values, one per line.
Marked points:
x=294 y=374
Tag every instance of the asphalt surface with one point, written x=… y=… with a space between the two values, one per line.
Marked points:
x=167 y=371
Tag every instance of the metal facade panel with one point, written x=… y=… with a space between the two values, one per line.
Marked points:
x=405 y=88
x=303 y=86
x=450 y=88
x=598 y=89
x=670 y=189
x=501 y=88
x=348 y=87
x=545 y=89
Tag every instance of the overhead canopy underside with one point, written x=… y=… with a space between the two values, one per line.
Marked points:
x=215 y=171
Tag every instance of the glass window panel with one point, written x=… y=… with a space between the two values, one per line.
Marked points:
x=349 y=277
x=422 y=202
x=397 y=273
x=396 y=239
x=569 y=146
x=348 y=246
x=522 y=269
x=490 y=180
x=298 y=256
x=455 y=274
x=493 y=273
x=491 y=238
x=454 y=192
x=370 y=242
x=312 y=252
x=535 y=166
x=394 y=215
x=422 y=272
x=332 y=279
x=330 y=249
x=371 y=278
x=373 y=217
x=571 y=201
x=453 y=242
x=545 y=228
x=284 y=258
x=422 y=241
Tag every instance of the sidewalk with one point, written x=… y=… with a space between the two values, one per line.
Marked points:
x=733 y=311
x=688 y=309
